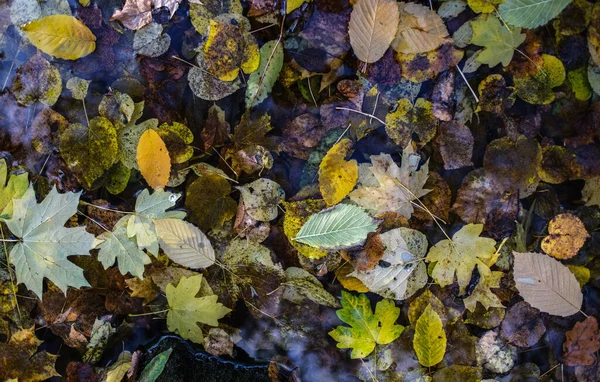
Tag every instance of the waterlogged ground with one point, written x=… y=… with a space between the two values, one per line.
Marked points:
x=299 y=190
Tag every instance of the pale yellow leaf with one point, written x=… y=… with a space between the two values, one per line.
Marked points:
x=373 y=25
x=420 y=30
x=184 y=243
x=61 y=36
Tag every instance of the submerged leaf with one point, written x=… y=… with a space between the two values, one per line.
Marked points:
x=209 y=203
x=21 y=360
x=261 y=199
x=184 y=243
x=37 y=80
x=342 y=226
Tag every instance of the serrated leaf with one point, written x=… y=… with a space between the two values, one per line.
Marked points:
x=531 y=13
x=184 y=243
x=366 y=328
x=153 y=159
x=262 y=80
x=338 y=227
x=546 y=284
x=373 y=25
x=499 y=43
x=61 y=36
x=186 y=310
x=21 y=360
x=430 y=339
x=45 y=242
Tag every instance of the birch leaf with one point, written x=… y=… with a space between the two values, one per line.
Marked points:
x=430 y=339
x=342 y=226
x=546 y=284
x=373 y=25
x=262 y=80
x=184 y=243
x=153 y=159
x=61 y=36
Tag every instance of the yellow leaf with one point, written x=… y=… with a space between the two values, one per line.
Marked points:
x=228 y=49
x=430 y=339
x=373 y=25
x=61 y=36
x=582 y=274
x=567 y=234
x=292 y=5
x=337 y=177
x=153 y=159
x=421 y=30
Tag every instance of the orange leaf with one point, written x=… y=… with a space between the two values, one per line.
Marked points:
x=153 y=159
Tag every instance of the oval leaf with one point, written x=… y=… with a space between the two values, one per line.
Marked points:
x=547 y=284
x=184 y=243
x=531 y=13
x=61 y=36
x=430 y=339
x=342 y=226
x=261 y=81
x=153 y=159
x=373 y=26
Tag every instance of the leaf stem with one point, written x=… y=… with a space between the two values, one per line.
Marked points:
x=149 y=313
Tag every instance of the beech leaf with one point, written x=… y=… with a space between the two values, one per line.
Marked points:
x=184 y=243
x=153 y=159
x=531 y=13
x=373 y=25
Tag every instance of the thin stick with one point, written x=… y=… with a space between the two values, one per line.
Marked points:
x=231 y=168
x=468 y=84
x=263 y=28
x=104 y=208
x=149 y=313
x=311 y=92
x=361 y=113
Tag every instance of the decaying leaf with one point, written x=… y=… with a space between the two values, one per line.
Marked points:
x=420 y=30
x=150 y=41
x=209 y=203
x=262 y=198
x=410 y=120
x=337 y=177
x=537 y=88
x=581 y=343
x=21 y=361
x=261 y=82
x=301 y=285
x=373 y=25
x=566 y=236
x=37 y=80
x=15 y=188
x=184 y=243
x=296 y=215
x=547 y=284
x=367 y=329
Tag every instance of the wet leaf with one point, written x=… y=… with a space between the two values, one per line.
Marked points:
x=531 y=13
x=523 y=325
x=456 y=145
x=117 y=178
x=410 y=120
x=547 y=284
x=15 y=188
x=184 y=243
x=373 y=25
x=37 y=80
x=61 y=36
x=117 y=371
x=430 y=339
x=392 y=188
x=228 y=49
x=216 y=129
x=341 y=226
x=186 y=310
x=155 y=367
x=90 y=151
x=460 y=256
x=177 y=138
x=301 y=285
x=207 y=86
x=261 y=82
x=202 y=12
x=262 y=198
x=45 y=242
x=218 y=342
x=135 y=14
x=401 y=271
x=296 y=215
x=581 y=343
x=484 y=6
x=566 y=236
x=292 y=5
x=21 y=361
x=495 y=95
x=537 y=88
x=337 y=177
x=367 y=329
x=209 y=203
x=420 y=30
x=482 y=292
x=153 y=159
x=421 y=67
x=499 y=43
x=78 y=87
x=150 y=41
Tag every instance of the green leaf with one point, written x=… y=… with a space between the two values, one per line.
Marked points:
x=366 y=329
x=301 y=285
x=155 y=367
x=61 y=36
x=499 y=43
x=186 y=310
x=46 y=243
x=341 y=226
x=531 y=13
x=261 y=82
x=15 y=188
x=430 y=339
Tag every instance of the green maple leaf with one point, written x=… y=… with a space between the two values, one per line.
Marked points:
x=186 y=310
x=45 y=242
x=498 y=41
x=117 y=246
x=366 y=329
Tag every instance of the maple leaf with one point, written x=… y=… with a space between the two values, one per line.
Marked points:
x=460 y=255
x=366 y=328
x=21 y=361
x=499 y=42
x=581 y=343
x=482 y=292
x=186 y=310
x=116 y=245
x=45 y=243
x=393 y=188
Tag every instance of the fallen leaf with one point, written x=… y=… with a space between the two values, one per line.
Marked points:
x=547 y=284
x=153 y=159
x=184 y=243
x=135 y=14
x=261 y=82
x=411 y=121
x=262 y=198
x=499 y=43
x=337 y=177
x=531 y=13
x=420 y=30
x=301 y=285
x=484 y=6
x=155 y=367
x=296 y=215
x=117 y=370
x=216 y=129
x=78 y=87
x=186 y=310
x=61 y=36
x=482 y=292
x=21 y=361
x=373 y=25
x=581 y=343
x=566 y=236
x=430 y=339
x=367 y=329
x=209 y=203
x=537 y=88
x=15 y=188
x=150 y=41
x=523 y=325
x=37 y=80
